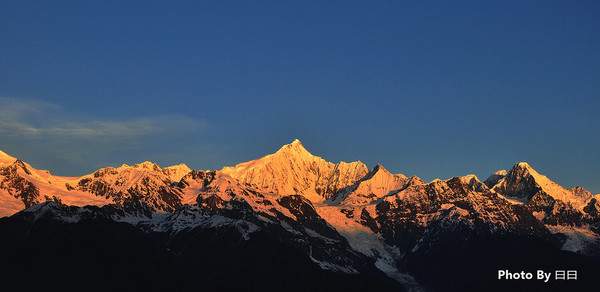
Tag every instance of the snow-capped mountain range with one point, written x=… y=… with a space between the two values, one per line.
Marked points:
x=344 y=218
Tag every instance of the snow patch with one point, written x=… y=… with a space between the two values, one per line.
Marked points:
x=365 y=241
x=331 y=266
x=514 y=200
x=9 y=205
x=315 y=234
x=579 y=240
x=407 y=280
x=541 y=215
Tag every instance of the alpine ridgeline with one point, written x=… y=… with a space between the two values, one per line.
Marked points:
x=293 y=220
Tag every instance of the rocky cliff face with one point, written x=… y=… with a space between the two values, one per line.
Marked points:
x=16 y=185
x=377 y=183
x=550 y=203
x=522 y=181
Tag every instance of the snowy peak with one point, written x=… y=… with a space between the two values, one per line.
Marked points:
x=21 y=186
x=378 y=172
x=415 y=180
x=379 y=169
x=377 y=183
x=523 y=165
x=142 y=183
x=343 y=175
x=501 y=173
x=581 y=192
x=19 y=164
x=494 y=178
x=524 y=182
x=293 y=170
x=288 y=155
x=294 y=149
x=523 y=169
x=295 y=145
x=147 y=165
x=5 y=158
x=176 y=172
x=470 y=178
x=474 y=183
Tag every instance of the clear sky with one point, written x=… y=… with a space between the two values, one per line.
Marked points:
x=429 y=88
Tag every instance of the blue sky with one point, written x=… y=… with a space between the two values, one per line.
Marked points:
x=435 y=89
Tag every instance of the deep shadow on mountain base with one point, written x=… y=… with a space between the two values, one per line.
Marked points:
x=101 y=254
x=461 y=264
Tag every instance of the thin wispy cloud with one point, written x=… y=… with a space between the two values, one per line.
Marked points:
x=62 y=140
x=30 y=119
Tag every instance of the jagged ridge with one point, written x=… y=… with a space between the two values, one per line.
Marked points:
x=373 y=212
